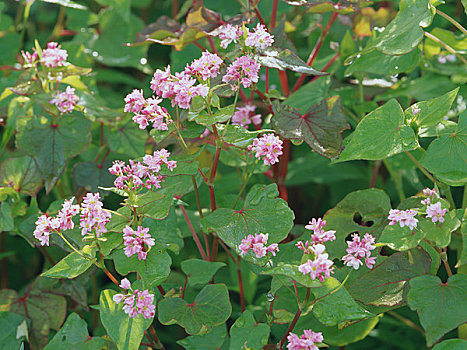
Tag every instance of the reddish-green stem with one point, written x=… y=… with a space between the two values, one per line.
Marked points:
x=273 y=14
x=295 y=319
x=161 y=290
x=174 y=8
x=193 y=232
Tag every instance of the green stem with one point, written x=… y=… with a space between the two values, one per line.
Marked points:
x=419 y=166
x=71 y=246
x=446 y=46
x=447 y=191
x=452 y=20
x=245 y=183
x=396 y=178
x=25 y=22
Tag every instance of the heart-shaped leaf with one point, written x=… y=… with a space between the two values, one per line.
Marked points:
x=70 y=266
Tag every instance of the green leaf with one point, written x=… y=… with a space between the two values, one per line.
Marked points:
x=91 y=175
x=291 y=271
x=166 y=231
x=433 y=111
x=320 y=127
x=262 y=212
x=401 y=238
x=386 y=284
x=451 y=344
x=273 y=57
x=462 y=256
x=128 y=139
x=445 y=156
x=405 y=32
x=200 y=272
x=67 y=3
x=21 y=174
x=245 y=332
x=121 y=6
x=440 y=306
x=70 y=266
x=155 y=205
x=309 y=94
x=210 y=308
x=335 y=308
x=211 y=341
x=51 y=144
x=13 y=330
x=236 y=135
x=359 y=212
x=380 y=134
x=74 y=335
x=220 y=116
x=440 y=234
x=125 y=331
x=153 y=271
x=6 y=216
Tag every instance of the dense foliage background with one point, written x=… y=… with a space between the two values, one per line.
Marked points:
x=422 y=58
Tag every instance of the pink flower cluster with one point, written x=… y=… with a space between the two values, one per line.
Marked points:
x=244 y=70
x=269 y=147
x=305 y=342
x=320 y=267
x=137 y=174
x=207 y=66
x=319 y=234
x=147 y=111
x=257 y=244
x=259 y=38
x=136 y=302
x=137 y=242
x=30 y=59
x=54 y=56
x=229 y=33
x=180 y=89
x=431 y=194
x=360 y=249
x=415 y=109
x=93 y=216
x=65 y=101
x=403 y=217
x=435 y=212
x=244 y=116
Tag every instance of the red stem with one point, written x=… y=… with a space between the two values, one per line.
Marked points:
x=284 y=82
x=273 y=14
x=199 y=46
x=161 y=290
x=283 y=168
x=374 y=175
x=260 y=18
x=291 y=326
x=193 y=232
x=174 y=8
x=184 y=287
x=211 y=43
x=112 y=278
x=242 y=95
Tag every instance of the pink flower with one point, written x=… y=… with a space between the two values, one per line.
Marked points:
x=30 y=60
x=403 y=217
x=415 y=109
x=305 y=342
x=65 y=101
x=257 y=244
x=244 y=70
x=207 y=66
x=137 y=302
x=134 y=101
x=435 y=212
x=431 y=194
x=243 y=116
x=320 y=267
x=66 y=214
x=259 y=38
x=360 y=249
x=54 y=56
x=319 y=234
x=229 y=33
x=137 y=242
x=93 y=216
x=43 y=230
x=269 y=147
x=125 y=284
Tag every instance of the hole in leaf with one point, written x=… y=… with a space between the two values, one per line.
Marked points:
x=348 y=238
x=358 y=219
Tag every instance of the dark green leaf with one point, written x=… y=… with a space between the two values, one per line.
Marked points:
x=211 y=341
x=246 y=333
x=128 y=139
x=200 y=272
x=13 y=330
x=292 y=272
x=91 y=176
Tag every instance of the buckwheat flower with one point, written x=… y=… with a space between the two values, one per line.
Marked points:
x=359 y=249
x=125 y=283
x=415 y=109
x=160 y=157
x=137 y=242
x=319 y=234
x=229 y=33
x=30 y=60
x=320 y=267
x=431 y=194
x=160 y=82
x=134 y=101
x=268 y=147
x=244 y=70
x=43 y=230
x=137 y=302
x=244 y=116
x=65 y=101
x=184 y=90
x=207 y=66
x=259 y=38
x=403 y=217
x=152 y=113
x=435 y=212
x=334 y=45
x=305 y=342
x=257 y=244
x=54 y=56
x=66 y=214
x=93 y=217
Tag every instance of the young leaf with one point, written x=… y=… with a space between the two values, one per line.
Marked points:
x=125 y=331
x=200 y=272
x=440 y=306
x=245 y=332
x=210 y=308
x=70 y=266
x=211 y=341
x=320 y=127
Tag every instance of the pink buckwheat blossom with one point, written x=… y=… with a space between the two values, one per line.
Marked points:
x=244 y=116
x=435 y=212
x=207 y=66
x=93 y=216
x=135 y=302
x=403 y=217
x=229 y=33
x=305 y=342
x=259 y=38
x=320 y=267
x=134 y=101
x=319 y=234
x=257 y=244
x=54 y=56
x=244 y=70
x=360 y=249
x=415 y=109
x=65 y=101
x=43 y=230
x=137 y=242
x=268 y=147
x=431 y=194
x=30 y=60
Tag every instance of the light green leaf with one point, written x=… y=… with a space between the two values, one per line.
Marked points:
x=376 y=62
x=451 y=344
x=292 y=272
x=10 y=330
x=70 y=266
x=211 y=341
x=246 y=332
x=200 y=272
